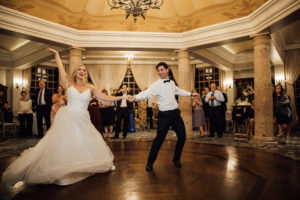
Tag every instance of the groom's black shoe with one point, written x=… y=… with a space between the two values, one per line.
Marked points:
x=149 y=168
x=115 y=137
x=177 y=163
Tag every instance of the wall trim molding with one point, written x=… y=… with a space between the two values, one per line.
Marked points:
x=266 y=15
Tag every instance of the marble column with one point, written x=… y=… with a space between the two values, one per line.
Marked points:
x=75 y=59
x=184 y=82
x=264 y=120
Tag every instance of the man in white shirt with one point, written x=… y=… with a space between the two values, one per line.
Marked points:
x=25 y=115
x=123 y=111
x=169 y=114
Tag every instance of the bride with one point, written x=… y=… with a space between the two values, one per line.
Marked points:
x=72 y=149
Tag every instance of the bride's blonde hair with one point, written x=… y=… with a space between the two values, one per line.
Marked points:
x=73 y=76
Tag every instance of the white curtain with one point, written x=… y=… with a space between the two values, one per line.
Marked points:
x=144 y=75
x=292 y=72
x=221 y=78
x=107 y=77
x=27 y=79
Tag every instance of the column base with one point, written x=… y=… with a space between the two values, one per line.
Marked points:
x=265 y=140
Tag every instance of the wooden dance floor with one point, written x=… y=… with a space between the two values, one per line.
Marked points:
x=208 y=172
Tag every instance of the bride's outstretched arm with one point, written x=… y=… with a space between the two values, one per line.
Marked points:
x=105 y=97
x=61 y=70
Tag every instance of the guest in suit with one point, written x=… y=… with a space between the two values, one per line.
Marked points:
x=25 y=115
x=223 y=109
x=7 y=113
x=215 y=98
x=150 y=104
x=123 y=111
x=169 y=114
x=43 y=107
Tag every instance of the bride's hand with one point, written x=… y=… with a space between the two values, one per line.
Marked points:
x=52 y=51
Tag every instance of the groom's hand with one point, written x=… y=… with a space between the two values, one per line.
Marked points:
x=131 y=98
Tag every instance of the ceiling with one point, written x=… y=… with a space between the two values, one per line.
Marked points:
x=16 y=52
x=174 y=16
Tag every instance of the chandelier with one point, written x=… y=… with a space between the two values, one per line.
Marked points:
x=135 y=7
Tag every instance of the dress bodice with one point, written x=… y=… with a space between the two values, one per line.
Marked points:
x=77 y=100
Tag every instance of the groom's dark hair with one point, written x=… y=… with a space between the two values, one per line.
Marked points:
x=162 y=64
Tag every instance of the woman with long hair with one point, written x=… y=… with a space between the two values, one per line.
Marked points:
x=282 y=111
x=58 y=99
x=72 y=149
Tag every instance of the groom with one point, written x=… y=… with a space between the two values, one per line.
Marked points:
x=169 y=114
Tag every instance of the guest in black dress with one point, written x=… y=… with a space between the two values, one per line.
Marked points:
x=108 y=113
x=282 y=111
x=95 y=114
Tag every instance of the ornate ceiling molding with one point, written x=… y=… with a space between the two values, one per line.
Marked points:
x=266 y=15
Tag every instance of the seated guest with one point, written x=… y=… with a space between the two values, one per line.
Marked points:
x=58 y=100
x=7 y=113
x=238 y=116
x=25 y=115
x=108 y=113
x=95 y=114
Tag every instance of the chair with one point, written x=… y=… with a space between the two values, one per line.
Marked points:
x=239 y=127
x=5 y=125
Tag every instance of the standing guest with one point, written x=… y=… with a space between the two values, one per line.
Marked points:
x=95 y=114
x=282 y=111
x=215 y=98
x=43 y=99
x=169 y=114
x=7 y=113
x=58 y=99
x=198 y=114
x=205 y=107
x=123 y=111
x=150 y=104
x=108 y=113
x=223 y=109
x=25 y=115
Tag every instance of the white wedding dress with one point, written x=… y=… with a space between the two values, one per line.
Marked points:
x=71 y=150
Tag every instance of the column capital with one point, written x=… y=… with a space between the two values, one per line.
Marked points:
x=78 y=48
x=264 y=34
x=181 y=50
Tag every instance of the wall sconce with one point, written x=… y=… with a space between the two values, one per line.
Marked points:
x=228 y=85
x=18 y=84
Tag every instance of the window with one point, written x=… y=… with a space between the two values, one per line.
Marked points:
x=205 y=76
x=48 y=74
x=130 y=82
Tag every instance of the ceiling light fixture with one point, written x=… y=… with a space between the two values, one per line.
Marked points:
x=135 y=7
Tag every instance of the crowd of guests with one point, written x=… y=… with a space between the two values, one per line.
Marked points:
x=208 y=112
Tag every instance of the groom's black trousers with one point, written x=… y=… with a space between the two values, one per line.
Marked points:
x=165 y=120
